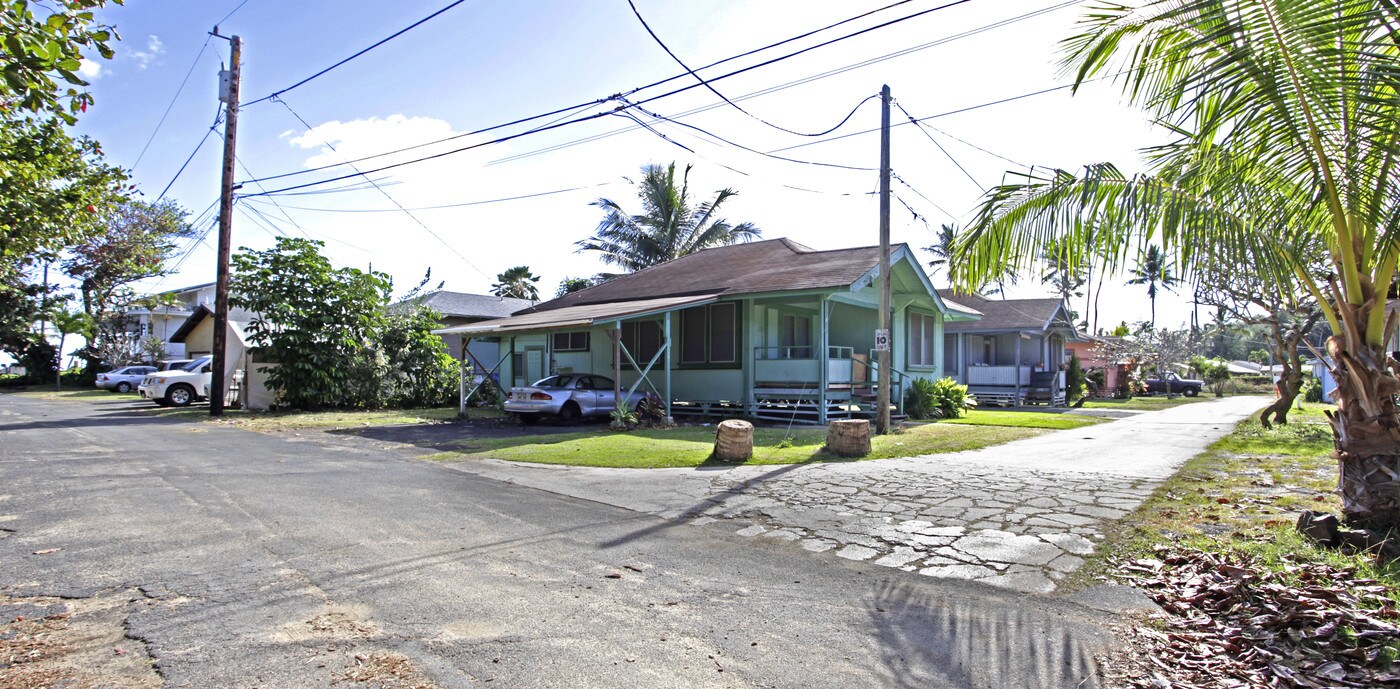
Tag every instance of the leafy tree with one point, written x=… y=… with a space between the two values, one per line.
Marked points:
x=1059 y=272
x=670 y=225
x=517 y=282
x=1121 y=329
x=1153 y=270
x=418 y=371
x=132 y=245
x=315 y=320
x=1259 y=356
x=1215 y=373
x=1281 y=115
x=571 y=285
x=42 y=54
x=54 y=190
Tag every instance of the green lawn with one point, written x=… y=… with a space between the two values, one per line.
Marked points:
x=1243 y=495
x=1022 y=419
x=1144 y=403
x=688 y=446
x=74 y=394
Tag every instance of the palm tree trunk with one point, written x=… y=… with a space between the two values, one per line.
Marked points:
x=1366 y=428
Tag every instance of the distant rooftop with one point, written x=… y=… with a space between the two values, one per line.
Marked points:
x=463 y=305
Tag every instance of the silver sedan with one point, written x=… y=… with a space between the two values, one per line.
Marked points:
x=570 y=397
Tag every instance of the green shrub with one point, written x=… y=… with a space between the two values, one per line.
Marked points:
x=1311 y=390
x=941 y=399
x=1076 y=380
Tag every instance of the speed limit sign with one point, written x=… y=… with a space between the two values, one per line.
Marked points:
x=882 y=340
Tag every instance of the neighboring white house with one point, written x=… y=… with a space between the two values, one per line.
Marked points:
x=196 y=338
x=164 y=322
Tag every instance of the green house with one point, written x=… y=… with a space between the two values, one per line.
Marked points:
x=769 y=330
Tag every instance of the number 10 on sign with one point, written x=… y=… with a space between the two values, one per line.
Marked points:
x=882 y=340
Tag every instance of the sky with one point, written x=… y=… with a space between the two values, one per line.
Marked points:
x=484 y=63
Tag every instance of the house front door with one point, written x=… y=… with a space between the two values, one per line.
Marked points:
x=534 y=364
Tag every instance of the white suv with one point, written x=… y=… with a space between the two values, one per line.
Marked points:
x=180 y=387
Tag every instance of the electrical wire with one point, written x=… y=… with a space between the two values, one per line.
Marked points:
x=382 y=191
x=723 y=97
x=598 y=115
x=464 y=204
x=959 y=165
x=710 y=134
x=923 y=196
x=804 y=80
x=378 y=43
x=218 y=117
x=231 y=13
x=178 y=91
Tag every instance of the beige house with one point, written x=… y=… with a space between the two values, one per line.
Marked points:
x=248 y=385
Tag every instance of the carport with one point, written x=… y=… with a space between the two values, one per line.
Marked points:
x=609 y=316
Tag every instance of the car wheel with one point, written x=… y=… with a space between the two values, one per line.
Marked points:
x=1191 y=392
x=528 y=419
x=123 y=387
x=570 y=413
x=180 y=396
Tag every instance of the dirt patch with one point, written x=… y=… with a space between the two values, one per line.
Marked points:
x=384 y=670
x=75 y=644
x=335 y=622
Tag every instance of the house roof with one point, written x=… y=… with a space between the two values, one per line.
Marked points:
x=1003 y=314
x=774 y=265
x=235 y=316
x=463 y=305
x=579 y=316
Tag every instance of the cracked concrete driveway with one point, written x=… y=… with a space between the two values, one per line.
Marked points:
x=236 y=559
x=1020 y=515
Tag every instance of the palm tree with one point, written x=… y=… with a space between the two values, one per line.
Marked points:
x=68 y=323
x=1282 y=131
x=1061 y=273
x=669 y=226
x=1152 y=270
x=942 y=249
x=518 y=282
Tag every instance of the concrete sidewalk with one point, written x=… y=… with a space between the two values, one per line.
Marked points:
x=1019 y=515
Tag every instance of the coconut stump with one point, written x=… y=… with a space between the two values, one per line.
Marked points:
x=734 y=441
x=848 y=438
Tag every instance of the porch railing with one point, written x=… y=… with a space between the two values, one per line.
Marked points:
x=998 y=375
x=799 y=364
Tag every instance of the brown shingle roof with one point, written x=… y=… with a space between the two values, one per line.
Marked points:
x=1001 y=314
x=767 y=266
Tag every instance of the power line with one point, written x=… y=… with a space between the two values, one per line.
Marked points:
x=231 y=12
x=391 y=37
x=925 y=132
x=441 y=207
x=218 y=117
x=710 y=134
x=804 y=80
x=598 y=115
x=173 y=98
x=715 y=91
x=381 y=190
x=921 y=194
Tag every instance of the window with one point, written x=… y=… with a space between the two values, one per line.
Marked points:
x=642 y=340
x=923 y=339
x=710 y=334
x=794 y=337
x=571 y=342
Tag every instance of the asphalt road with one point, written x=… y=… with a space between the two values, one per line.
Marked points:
x=256 y=561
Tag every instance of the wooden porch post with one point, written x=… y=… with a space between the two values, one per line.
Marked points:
x=617 y=361
x=462 y=374
x=823 y=360
x=962 y=358
x=666 y=346
x=1018 y=368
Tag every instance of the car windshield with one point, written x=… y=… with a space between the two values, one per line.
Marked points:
x=554 y=382
x=194 y=365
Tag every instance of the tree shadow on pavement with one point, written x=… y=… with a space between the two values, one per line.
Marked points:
x=978 y=639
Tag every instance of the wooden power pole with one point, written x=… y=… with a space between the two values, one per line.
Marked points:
x=228 y=93
x=883 y=337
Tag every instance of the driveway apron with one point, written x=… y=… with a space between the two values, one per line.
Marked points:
x=1020 y=515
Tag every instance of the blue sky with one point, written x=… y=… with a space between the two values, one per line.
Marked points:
x=484 y=62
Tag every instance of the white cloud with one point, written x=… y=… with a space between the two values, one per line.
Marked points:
x=90 y=70
x=154 y=49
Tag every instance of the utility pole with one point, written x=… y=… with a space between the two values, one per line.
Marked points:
x=883 y=339
x=228 y=93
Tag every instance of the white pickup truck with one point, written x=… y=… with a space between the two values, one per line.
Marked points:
x=179 y=387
